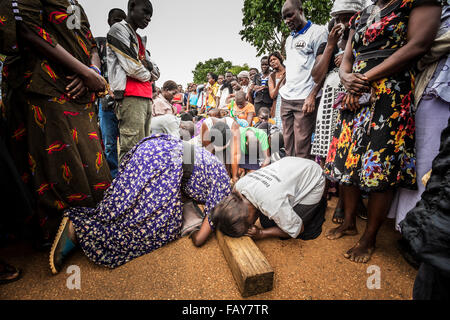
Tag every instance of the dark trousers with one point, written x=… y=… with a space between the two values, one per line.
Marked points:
x=109 y=127
x=431 y=284
x=313 y=217
x=298 y=128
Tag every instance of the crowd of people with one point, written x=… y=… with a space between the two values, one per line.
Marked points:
x=355 y=109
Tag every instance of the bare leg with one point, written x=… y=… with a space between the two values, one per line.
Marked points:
x=379 y=203
x=350 y=196
x=338 y=215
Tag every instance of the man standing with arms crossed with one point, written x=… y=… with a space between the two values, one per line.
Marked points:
x=299 y=94
x=131 y=73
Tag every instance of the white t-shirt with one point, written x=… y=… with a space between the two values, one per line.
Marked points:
x=223 y=97
x=276 y=189
x=300 y=58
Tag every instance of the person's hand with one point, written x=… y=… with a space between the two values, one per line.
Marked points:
x=351 y=102
x=76 y=87
x=310 y=105
x=266 y=162
x=355 y=83
x=254 y=232
x=335 y=35
x=338 y=60
x=93 y=81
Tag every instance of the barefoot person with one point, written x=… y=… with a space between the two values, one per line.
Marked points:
x=286 y=196
x=373 y=145
x=142 y=210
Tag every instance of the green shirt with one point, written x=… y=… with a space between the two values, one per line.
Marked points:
x=261 y=135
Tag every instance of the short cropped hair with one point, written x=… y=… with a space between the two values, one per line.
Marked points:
x=169 y=85
x=229 y=217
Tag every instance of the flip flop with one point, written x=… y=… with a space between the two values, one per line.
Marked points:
x=9 y=273
x=61 y=247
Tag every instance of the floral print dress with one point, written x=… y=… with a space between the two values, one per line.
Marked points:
x=374 y=147
x=55 y=140
x=142 y=210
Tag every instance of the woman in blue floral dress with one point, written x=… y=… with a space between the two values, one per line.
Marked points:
x=373 y=145
x=142 y=210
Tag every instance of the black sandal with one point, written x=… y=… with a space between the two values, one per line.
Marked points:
x=9 y=273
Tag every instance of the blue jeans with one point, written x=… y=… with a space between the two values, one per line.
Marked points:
x=110 y=133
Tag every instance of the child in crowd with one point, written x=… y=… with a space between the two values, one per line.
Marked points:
x=242 y=109
x=263 y=116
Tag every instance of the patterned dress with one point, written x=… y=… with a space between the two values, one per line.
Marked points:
x=55 y=140
x=373 y=147
x=142 y=210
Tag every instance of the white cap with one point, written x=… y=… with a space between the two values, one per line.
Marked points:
x=347 y=6
x=244 y=74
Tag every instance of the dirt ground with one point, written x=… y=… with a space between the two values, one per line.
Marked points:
x=304 y=270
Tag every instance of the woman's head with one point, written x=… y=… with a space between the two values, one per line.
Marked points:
x=231 y=216
x=212 y=78
x=275 y=60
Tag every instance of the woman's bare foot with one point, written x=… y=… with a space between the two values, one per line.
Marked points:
x=361 y=252
x=342 y=230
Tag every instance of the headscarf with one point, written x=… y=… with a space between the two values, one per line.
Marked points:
x=347 y=6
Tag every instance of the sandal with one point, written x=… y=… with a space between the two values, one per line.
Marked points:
x=338 y=216
x=9 y=273
x=61 y=247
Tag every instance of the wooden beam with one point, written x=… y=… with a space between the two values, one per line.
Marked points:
x=250 y=269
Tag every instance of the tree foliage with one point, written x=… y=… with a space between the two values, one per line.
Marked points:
x=217 y=66
x=264 y=27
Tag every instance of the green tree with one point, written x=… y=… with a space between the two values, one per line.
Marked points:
x=217 y=66
x=236 y=69
x=264 y=28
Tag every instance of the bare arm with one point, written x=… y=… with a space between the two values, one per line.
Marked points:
x=310 y=103
x=200 y=237
x=266 y=158
x=322 y=63
x=275 y=88
x=250 y=118
x=423 y=25
x=235 y=152
x=354 y=83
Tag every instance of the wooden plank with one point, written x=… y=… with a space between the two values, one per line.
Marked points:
x=251 y=270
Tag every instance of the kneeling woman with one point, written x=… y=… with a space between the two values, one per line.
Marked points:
x=287 y=197
x=142 y=210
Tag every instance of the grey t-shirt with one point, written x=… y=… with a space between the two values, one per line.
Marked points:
x=276 y=189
